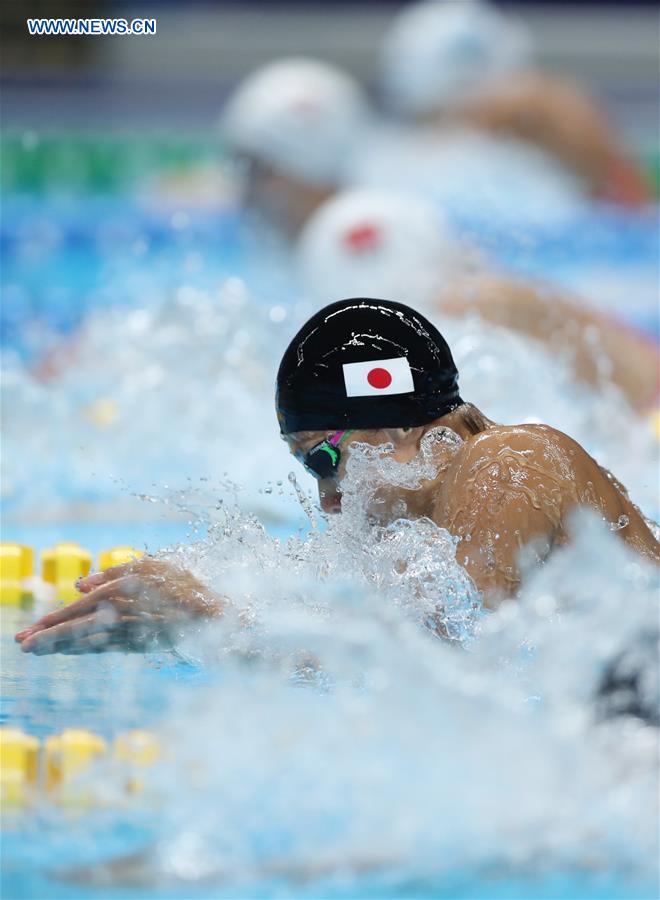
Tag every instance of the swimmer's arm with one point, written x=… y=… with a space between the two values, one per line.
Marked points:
x=558 y=116
x=496 y=511
x=135 y=606
x=596 y=346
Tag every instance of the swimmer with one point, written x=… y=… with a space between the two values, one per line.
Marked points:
x=291 y=125
x=397 y=245
x=376 y=372
x=299 y=130
x=469 y=64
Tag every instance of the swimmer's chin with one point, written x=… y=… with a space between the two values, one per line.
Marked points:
x=331 y=505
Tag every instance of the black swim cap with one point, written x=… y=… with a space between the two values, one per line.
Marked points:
x=363 y=363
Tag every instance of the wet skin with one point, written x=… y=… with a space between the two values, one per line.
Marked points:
x=508 y=487
x=282 y=200
x=598 y=348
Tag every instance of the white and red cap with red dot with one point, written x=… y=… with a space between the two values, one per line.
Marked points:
x=439 y=53
x=300 y=116
x=373 y=242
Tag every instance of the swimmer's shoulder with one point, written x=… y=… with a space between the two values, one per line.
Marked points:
x=533 y=441
x=541 y=451
x=495 y=468
x=526 y=436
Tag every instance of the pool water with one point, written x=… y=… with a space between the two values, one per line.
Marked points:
x=410 y=769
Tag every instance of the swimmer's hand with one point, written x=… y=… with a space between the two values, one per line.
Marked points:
x=138 y=606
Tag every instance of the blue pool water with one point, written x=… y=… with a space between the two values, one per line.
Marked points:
x=61 y=258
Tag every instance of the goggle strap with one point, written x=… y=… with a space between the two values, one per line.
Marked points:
x=339 y=436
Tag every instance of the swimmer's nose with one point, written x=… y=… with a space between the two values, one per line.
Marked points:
x=329 y=497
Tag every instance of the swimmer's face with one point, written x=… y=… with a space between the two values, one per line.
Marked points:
x=406 y=447
x=280 y=199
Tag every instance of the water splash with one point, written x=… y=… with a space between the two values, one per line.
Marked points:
x=401 y=755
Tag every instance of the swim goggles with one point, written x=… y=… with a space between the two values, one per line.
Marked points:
x=322 y=461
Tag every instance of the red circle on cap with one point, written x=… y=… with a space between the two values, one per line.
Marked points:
x=379 y=378
x=362 y=237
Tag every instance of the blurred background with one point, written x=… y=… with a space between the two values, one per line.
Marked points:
x=169 y=89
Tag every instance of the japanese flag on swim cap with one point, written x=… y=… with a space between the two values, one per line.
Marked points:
x=364 y=363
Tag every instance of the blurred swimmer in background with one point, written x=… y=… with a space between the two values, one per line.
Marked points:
x=394 y=244
x=298 y=126
x=469 y=113
x=292 y=127
x=374 y=373
x=299 y=130
x=458 y=64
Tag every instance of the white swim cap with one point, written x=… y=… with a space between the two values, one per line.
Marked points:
x=298 y=115
x=439 y=53
x=376 y=243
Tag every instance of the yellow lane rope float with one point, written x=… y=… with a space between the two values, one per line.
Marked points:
x=69 y=754
x=16 y=567
x=19 y=767
x=57 y=768
x=655 y=423
x=61 y=566
x=117 y=556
